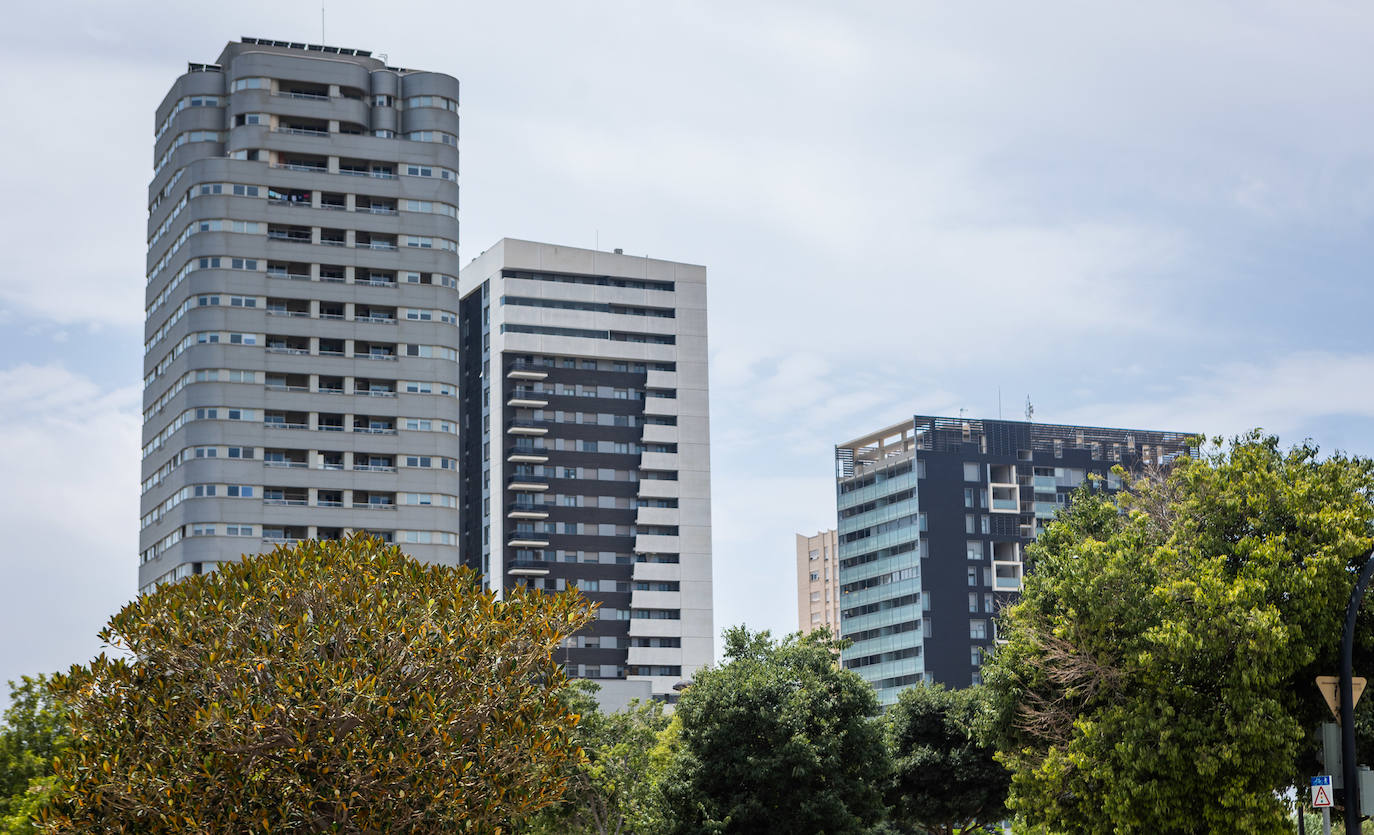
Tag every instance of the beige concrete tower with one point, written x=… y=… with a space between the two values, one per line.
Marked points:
x=818 y=582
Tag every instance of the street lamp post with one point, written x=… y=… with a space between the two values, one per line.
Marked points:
x=1349 y=766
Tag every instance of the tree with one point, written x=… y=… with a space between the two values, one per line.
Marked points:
x=34 y=732
x=1168 y=638
x=944 y=779
x=324 y=687
x=779 y=739
x=614 y=790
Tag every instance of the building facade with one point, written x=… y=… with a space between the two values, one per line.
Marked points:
x=301 y=308
x=586 y=449
x=934 y=517
x=818 y=586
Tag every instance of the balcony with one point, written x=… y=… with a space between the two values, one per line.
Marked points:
x=527 y=486
x=526 y=540
x=527 y=510
x=522 y=372
x=526 y=427
x=1005 y=498
x=527 y=568
x=526 y=400
x=522 y=457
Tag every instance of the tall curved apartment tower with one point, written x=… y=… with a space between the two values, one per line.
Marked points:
x=302 y=302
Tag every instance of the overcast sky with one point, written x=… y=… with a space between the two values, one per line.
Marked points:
x=1155 y=216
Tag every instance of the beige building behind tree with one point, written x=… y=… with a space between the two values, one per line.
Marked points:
x=818 y=587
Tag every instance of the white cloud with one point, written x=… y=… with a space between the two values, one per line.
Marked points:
x=69 y=506
x=1287 y=396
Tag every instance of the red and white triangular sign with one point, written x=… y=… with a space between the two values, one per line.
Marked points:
x=1320 y=797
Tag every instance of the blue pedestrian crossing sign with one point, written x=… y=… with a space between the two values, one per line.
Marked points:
x=1321 y=791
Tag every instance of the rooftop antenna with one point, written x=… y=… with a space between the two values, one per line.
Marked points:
x=961 y=412
x=1030 y=410
x=322 y=38
x=999 y=402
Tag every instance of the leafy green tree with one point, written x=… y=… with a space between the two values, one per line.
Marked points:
x=33 y=733
x=614 y=790
x=325 y=687
x=1168 y=638
x=779 y=739
x=944 y=779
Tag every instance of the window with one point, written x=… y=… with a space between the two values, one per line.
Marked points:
x=432 y=136
x=973 y=575
x=973 y=602
x=974 y=549
x=815 y=575
x=978 y=629
x=970 y=522
x=968 y=497
x=972 y=471
x=252 y=84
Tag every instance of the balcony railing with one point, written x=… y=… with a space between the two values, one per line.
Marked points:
x=374 y=505
x=287 y=464
x=275 y=425
x=293 y=502
x=374 y=468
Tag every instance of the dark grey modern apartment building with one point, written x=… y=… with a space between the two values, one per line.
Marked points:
x=934 y=517
x=586 y=460
x=302 y=305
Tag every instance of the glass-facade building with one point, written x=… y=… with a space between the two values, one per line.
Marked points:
x=934 y=515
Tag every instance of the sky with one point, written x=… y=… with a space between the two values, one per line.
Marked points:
x=1154 y=216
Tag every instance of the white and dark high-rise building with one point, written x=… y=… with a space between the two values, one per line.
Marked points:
x=586 y=457
x=302 y=304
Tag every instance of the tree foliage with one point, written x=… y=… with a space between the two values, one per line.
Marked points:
x=779 y=739
x=1168 y=639
x=944 y=780
x=325 y=687
x=33 y=733
x=614 y=790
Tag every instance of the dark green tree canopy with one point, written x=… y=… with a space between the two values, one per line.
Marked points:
x=34 y=731
x=325 y=687
x=1170 y=636
x=778 y=739
x=944 y=779
x=614 y=790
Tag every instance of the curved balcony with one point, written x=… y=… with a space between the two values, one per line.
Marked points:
x=526 y=427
